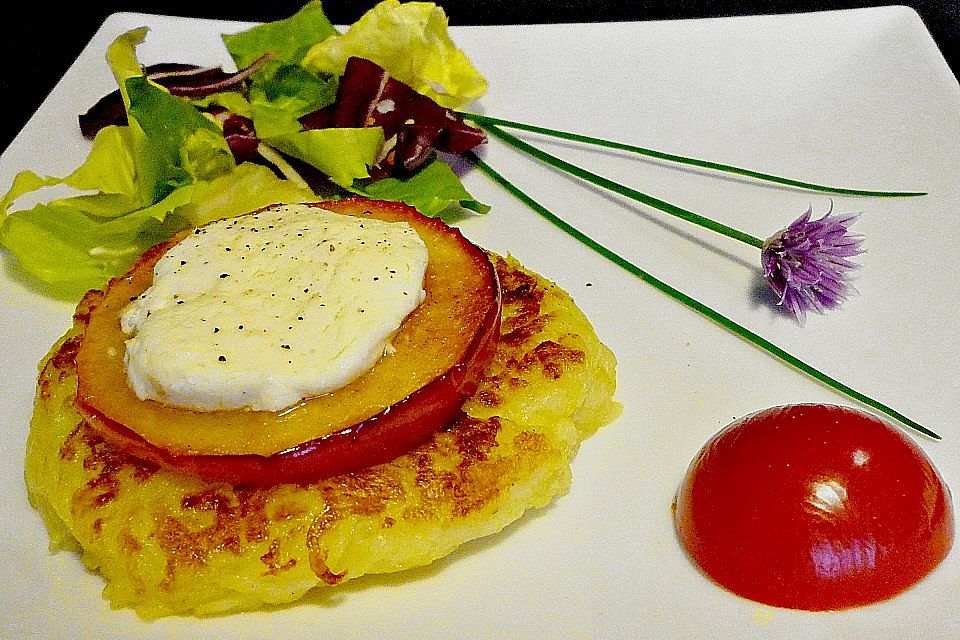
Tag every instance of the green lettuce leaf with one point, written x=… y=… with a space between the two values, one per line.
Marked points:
x=205 y=154
x=272 y=121
x=70 y=252
x=244 y=189
x=109 y=169
x=411 y=42
x=293 y=87
x=285 y=40
x=101 y=205
x=23 y=183
x=54 y=244
x=433 y=190
x=281 y=94
x=342 y=154
x=232 y=101
x=182 y=144
x=122 y=58
x=110 y=166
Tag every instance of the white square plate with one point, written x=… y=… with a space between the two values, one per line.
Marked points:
x=858 y=98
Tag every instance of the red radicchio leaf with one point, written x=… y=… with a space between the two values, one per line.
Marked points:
x=238 y=132
x=369 y=97
x=415 y=144
x=205 y=82
x=187 y=80
x=319 y=119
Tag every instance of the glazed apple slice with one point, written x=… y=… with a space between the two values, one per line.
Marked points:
x=440 y=352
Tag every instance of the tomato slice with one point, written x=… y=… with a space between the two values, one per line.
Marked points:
x=814 y=507
x=440 y=353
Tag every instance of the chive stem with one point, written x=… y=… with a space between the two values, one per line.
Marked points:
x=485 y=121
x=616 y=187
x=694 y=304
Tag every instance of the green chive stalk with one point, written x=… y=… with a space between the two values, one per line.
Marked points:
x=697 y=306
x=487 y=121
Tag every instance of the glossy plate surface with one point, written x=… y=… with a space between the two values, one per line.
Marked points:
x=860 y=98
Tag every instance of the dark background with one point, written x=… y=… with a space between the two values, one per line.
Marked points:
x=42 y=39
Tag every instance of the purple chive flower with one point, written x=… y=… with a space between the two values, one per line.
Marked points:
x=805 y=263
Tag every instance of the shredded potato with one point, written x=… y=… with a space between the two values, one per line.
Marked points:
x=167 y=543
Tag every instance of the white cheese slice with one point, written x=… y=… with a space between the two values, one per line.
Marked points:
x=263 y=310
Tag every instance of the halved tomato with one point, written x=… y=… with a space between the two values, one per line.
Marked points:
x=441 y=350
x=814 y=507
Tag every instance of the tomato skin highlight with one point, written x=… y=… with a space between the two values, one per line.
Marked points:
x=814 y=507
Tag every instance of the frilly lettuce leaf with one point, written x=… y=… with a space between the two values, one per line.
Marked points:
x=24 y=183
x=342 y=154
x=110 y=166
x=281 y=94
x=244 y=189
x=54 y=244
x=101 y=205
x=122 y=58
x=433 y=190
x=70 y=252
x=205 y=154
x=285 y=40
x=411 y=42
x=183 y=144
x=109 y=169
x=293 y=87
x=232 y=101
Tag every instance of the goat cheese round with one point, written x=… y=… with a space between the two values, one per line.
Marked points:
x=262 y=310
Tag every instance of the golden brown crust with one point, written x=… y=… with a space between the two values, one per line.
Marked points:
x=169 y=543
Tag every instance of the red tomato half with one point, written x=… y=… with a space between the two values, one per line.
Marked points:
x=814 y=507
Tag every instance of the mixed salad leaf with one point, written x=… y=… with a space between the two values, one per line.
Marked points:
x=418 y=52
x=309 y=113
x=287 y=40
